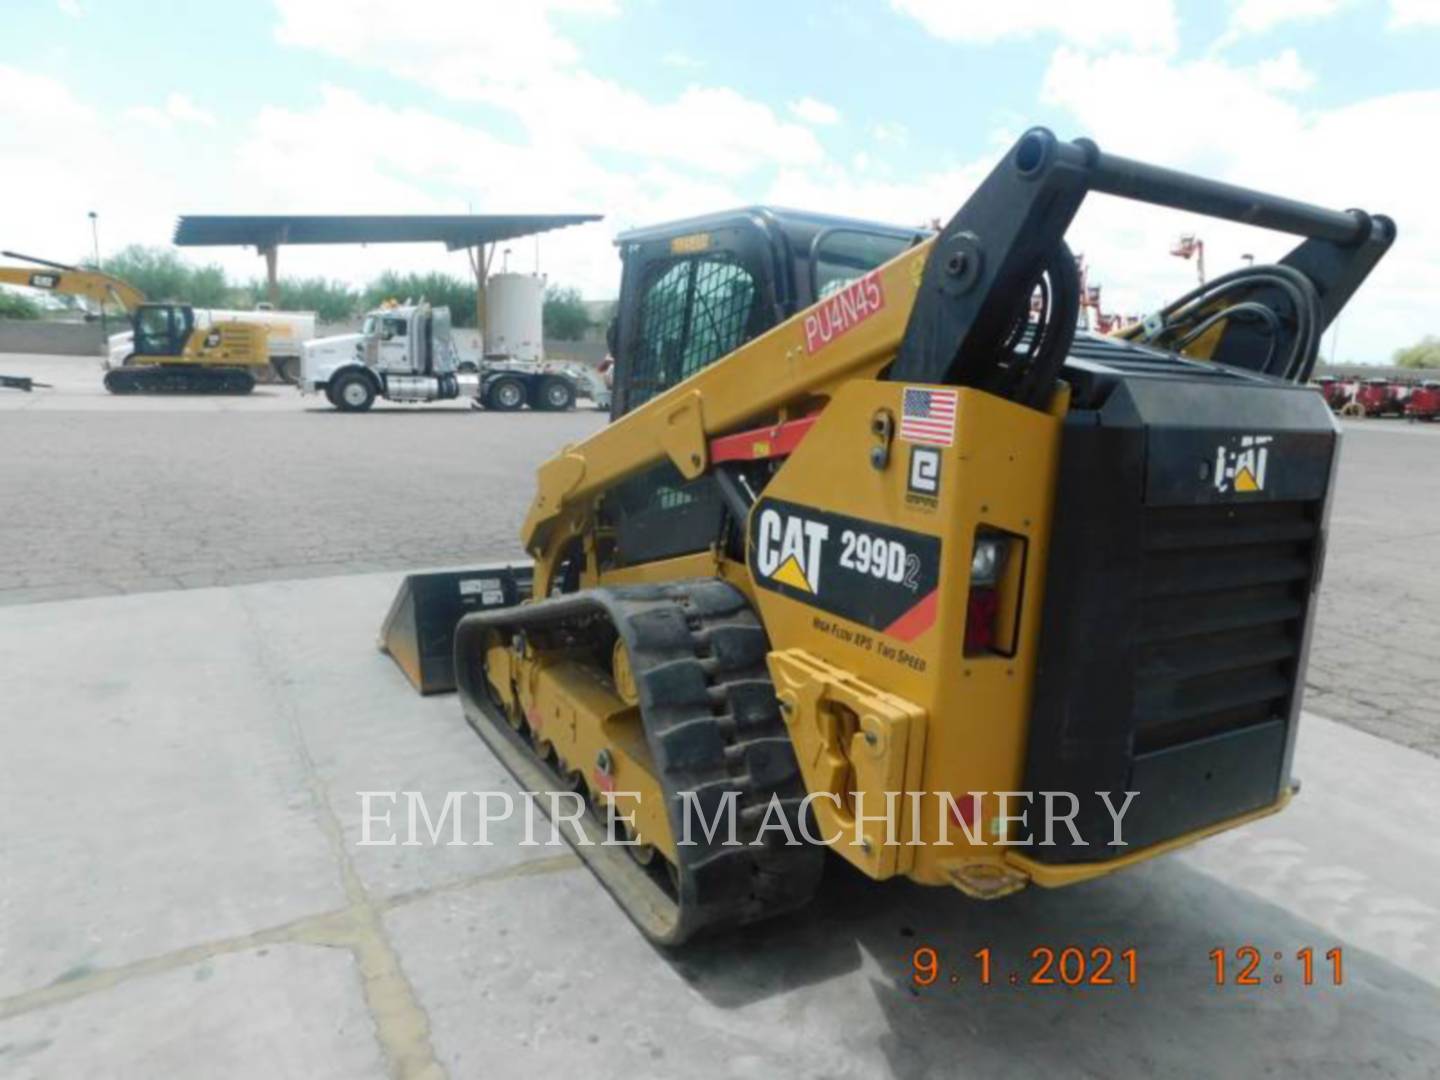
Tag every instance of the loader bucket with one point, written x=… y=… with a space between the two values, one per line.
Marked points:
x=420 y=627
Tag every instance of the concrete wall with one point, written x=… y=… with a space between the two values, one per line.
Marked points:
x=53 y=338
x=1376 y=371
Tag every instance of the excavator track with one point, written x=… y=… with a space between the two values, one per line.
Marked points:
x=179 y=379
x=713 y=725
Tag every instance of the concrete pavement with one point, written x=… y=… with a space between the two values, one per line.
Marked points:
x=182 y=892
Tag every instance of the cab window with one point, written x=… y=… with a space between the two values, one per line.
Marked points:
x=693 y=311
x=842 y=255
x=154 y=322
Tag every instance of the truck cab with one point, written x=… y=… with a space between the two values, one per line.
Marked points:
x=403 y=352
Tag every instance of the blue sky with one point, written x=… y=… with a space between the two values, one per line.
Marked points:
x=644 y=110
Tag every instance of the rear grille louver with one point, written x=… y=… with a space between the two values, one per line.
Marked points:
x=1224 y=593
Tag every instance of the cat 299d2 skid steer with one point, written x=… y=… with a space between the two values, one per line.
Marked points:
x=875 y=528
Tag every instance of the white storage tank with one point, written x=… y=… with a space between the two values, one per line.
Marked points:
x=514 y=323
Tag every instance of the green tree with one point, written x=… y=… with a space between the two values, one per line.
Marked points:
x=565 y=316
x=332 y=301
x=1423 y=354
x=436 y=289
x=15 y=306
x=162 y=275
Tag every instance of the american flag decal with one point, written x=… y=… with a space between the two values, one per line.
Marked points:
x=927 y=415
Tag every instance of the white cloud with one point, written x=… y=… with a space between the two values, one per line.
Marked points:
x=70 y=7
x=814 y=112
x=445 y=166
x=707 y=148
x=63 y=160
x=1284 y=72
x=889 y=131
x=183 y=110
x=178 y=109
x=1140 y=24
x=511 y=56
x=1405 y=13
x=1260 y=16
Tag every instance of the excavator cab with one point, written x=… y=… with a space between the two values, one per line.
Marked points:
x=162 y=330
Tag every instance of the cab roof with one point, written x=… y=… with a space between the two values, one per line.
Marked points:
x=794 y=224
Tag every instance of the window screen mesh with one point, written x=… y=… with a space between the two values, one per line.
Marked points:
x=693 y=313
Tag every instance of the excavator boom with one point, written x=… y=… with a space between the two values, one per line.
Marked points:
x=93 y=285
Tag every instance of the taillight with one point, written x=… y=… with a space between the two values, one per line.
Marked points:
x=980 y=616
x=989 y=621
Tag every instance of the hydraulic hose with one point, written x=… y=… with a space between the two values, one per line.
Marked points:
x=1230 y=296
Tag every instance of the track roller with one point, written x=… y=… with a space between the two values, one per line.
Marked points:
x=711 y=724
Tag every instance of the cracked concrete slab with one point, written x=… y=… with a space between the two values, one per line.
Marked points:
x=529 y=977
x=180 y=770
x=274 y=1011
x=829 y=993
x=152 y=796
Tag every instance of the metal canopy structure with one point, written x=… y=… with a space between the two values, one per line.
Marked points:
x=455 y=231
x=477 y=233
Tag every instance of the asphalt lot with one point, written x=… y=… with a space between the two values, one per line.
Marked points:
x=107 y=495
x=192 y=701
x=112 y=495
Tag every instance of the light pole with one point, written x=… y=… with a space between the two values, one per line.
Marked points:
x=95 y=242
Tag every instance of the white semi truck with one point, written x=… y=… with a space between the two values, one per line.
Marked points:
x=406 y=352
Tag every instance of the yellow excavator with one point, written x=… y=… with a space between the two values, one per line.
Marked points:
x=880 y=554
x=172 y=354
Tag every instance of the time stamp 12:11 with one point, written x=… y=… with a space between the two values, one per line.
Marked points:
x=1100 y=965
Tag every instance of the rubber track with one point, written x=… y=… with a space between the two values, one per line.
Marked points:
x=713 y=726
x=179 y=379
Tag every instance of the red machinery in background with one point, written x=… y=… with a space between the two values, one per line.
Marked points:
x=1092 y=317
x=1336 y=392
x=1424 y=401
x=1381 y=397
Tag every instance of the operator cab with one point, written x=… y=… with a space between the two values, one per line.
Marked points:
x=695 y=290
x=162 y=329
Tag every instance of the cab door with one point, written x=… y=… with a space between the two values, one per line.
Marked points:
x=161 y=329
x=395 y=344
x=686 y=301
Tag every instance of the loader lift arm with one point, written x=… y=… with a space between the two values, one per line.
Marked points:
x=955 y=306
